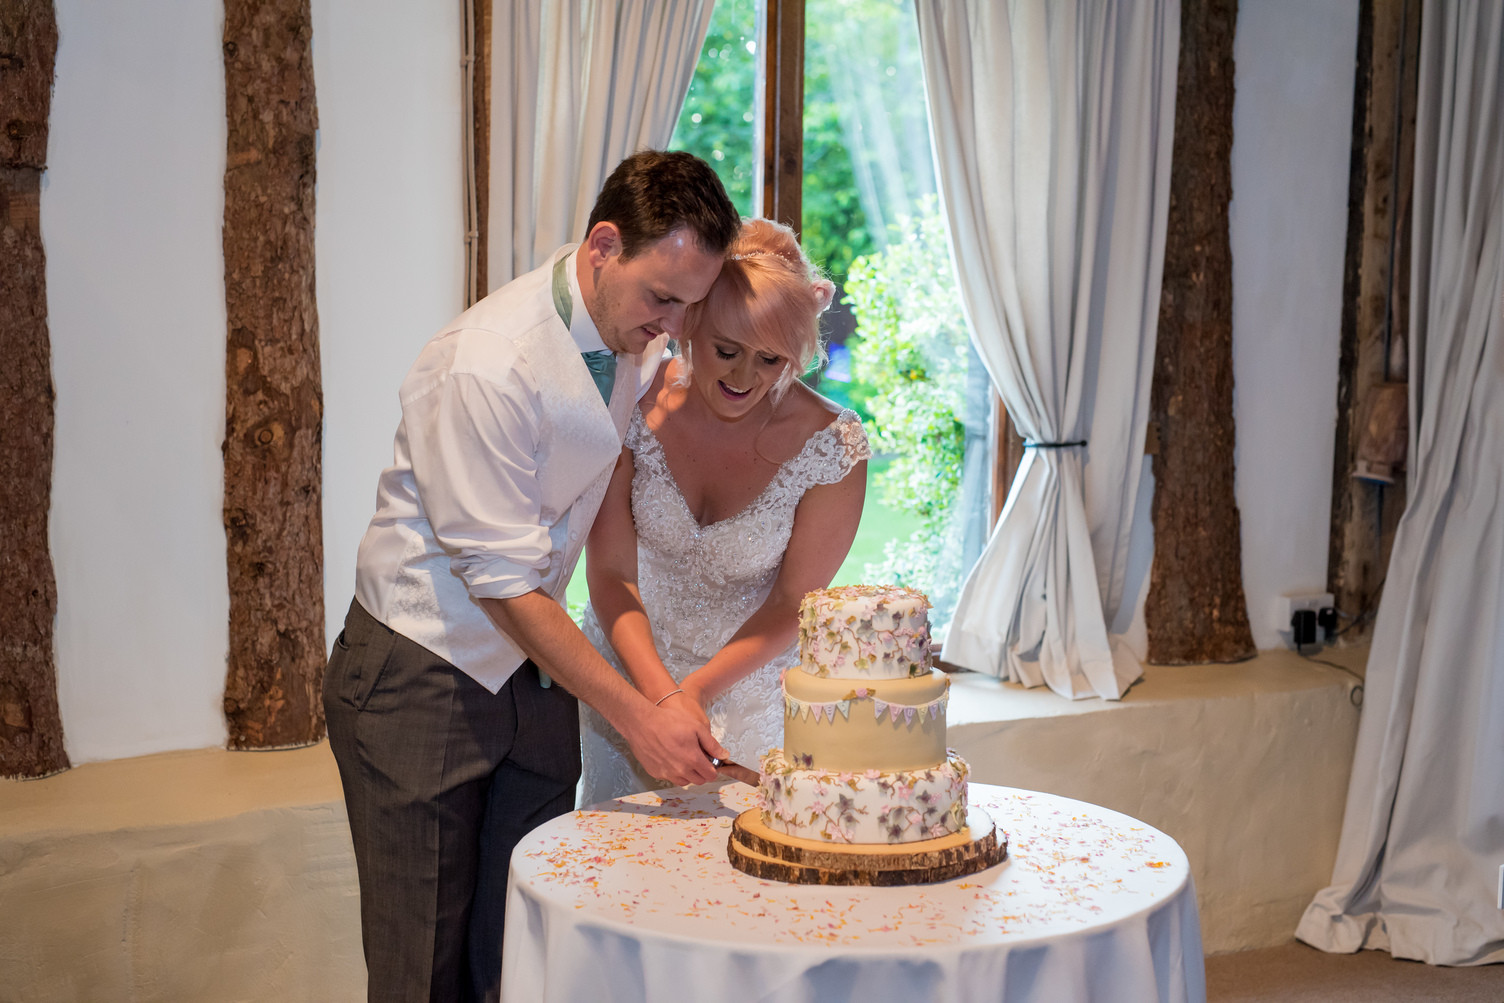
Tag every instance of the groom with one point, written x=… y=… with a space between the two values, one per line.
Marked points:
x=450 y=740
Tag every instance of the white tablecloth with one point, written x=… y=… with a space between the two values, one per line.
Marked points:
x=636 y=900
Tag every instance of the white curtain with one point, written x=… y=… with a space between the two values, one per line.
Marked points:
x=576 y=86
x=1417 y=868
x=1053 y=125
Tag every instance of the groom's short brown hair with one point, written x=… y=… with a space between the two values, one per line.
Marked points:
x=654 y=192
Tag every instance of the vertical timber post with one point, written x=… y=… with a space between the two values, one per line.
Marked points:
x=480 y=145
x=1375 y=303
x=31 y=727
x=1195 y=610
x=273 y=395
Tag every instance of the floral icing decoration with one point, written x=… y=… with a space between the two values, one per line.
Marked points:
x=880 y=632
x=872 y=806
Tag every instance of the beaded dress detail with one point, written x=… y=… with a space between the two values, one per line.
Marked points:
x=699 y=584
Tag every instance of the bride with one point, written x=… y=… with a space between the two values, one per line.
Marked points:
x=739 y=490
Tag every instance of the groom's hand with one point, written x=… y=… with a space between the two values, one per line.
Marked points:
x=673 y=745
x=669 y=743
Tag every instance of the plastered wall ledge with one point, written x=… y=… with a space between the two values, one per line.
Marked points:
x=1245 y=765
x=979 y=699
x=168 y=789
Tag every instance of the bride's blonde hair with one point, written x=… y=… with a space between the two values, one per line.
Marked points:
x=768 y=298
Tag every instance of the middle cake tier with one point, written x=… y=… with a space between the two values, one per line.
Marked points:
x=864 y=724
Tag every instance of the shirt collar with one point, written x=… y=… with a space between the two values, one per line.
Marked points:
x=582 y=329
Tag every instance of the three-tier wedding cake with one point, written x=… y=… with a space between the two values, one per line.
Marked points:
x=864 y=758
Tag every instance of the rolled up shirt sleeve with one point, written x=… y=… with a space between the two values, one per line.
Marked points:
x=473 y=448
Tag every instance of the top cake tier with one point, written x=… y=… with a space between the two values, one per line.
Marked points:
x=865 y=632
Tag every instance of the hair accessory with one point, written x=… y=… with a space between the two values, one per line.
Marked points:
x=792 y=261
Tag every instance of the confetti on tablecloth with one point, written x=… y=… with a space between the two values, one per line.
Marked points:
x=658 y=861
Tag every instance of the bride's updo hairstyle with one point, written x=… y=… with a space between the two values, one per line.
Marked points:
x=769 y=298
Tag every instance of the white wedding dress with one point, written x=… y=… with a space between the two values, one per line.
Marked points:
x=699 y=584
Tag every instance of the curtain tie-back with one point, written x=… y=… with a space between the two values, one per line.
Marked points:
x=1053 y=445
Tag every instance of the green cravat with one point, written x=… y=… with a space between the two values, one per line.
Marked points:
x=602 y=363
x=603 y=370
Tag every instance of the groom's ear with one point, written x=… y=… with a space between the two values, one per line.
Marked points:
x=602 y=243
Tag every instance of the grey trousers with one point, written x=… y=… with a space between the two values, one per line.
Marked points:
x=441 y=780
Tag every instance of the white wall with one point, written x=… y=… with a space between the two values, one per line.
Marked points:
x=132 y=206
x=131 y=215
x=390 y=238
x=131 y=209
x=1292 y=139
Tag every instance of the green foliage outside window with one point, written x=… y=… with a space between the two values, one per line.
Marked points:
x=909 y=362
x=866 y=128
x=718 y=123
x=866 y=144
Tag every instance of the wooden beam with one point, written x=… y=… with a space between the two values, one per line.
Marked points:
x=1375 y=303
x=1195 y=610
x=480 y=125
x=1010 y=453
x=273 y=396
x=783 y=113
x=31 y=727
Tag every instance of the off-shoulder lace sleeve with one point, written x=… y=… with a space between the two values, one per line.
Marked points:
x=830 y=453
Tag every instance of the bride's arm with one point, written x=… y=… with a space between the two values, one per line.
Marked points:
x=825 y=523
x=611 y=572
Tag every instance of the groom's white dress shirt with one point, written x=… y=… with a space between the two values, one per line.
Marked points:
x=501 y=461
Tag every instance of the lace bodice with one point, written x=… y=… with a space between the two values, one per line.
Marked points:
x=700 y=583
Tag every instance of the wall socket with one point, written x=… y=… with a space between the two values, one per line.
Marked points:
x=1286 y=606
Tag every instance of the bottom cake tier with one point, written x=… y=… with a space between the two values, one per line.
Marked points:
x=888 y=806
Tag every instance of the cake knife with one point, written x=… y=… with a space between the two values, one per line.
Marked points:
x=734 y=770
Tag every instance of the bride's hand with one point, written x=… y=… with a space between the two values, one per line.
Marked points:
x=688 y=702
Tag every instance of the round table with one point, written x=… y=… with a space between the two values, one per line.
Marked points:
x=635 y=899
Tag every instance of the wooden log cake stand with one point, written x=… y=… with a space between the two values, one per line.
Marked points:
x=762 y=852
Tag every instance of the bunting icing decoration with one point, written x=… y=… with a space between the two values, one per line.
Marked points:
x=827 y=710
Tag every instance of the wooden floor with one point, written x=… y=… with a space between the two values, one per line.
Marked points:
x=1295 y=972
